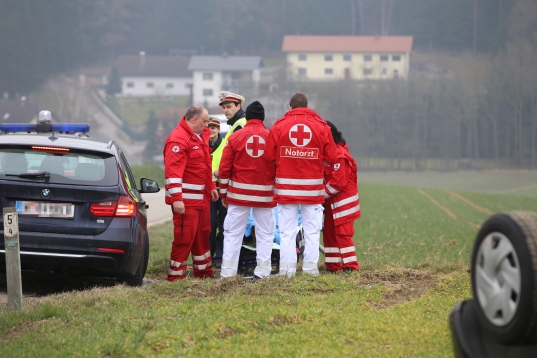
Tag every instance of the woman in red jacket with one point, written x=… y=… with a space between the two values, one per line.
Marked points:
x=341 y=208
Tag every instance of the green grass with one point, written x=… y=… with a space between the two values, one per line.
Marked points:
x=414 y=259
x=148 y=171
x=135 y=112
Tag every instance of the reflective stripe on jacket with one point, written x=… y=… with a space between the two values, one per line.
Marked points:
x=341 y=188
x=299 y=143
x=246 y=177
x=187 y=167
x=217 y=154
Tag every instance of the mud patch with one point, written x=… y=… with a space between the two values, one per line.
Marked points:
x=401 y=286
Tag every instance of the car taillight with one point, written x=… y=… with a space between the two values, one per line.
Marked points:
x=125 y=207
x=106 y=208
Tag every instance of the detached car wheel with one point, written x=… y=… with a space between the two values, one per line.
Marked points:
x=504 y=277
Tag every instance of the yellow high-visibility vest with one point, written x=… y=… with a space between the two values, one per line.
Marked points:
x=217 y=154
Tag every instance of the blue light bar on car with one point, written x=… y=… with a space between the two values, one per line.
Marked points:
x=17 y=127
x=70 y=127
x=56 y=127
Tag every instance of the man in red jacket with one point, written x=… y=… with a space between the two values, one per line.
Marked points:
x=342 y=207
x=189 y=189
x=247 y=182
x=299 y=143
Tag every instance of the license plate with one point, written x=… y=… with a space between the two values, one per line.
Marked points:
x=45 y=209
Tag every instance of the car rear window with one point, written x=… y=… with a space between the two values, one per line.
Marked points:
x=76 y=168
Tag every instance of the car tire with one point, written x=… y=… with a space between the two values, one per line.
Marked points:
x=138 y=277
x=146 y=253
x=504 y=277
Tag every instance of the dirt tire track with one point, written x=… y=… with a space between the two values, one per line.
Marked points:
x=472 y=204
x=446 y=210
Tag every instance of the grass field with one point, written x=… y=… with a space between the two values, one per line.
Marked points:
x=136 y=112
x=413 y=245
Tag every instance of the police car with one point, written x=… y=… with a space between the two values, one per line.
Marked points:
x=78 y=205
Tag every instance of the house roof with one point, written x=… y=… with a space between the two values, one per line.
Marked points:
x=225 y=63
x=94 y=71
x=299 y=43
x=157 y=66
x=16 y=111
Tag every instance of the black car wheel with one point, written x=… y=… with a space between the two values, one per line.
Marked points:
x=146 y=253
x=504 y=277
x=138 y=277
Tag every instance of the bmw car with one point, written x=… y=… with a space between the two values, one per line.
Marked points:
x=78 y=204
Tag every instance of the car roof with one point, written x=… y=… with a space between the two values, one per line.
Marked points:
x=58 y=140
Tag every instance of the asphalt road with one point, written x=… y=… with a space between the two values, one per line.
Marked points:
x=158 y=211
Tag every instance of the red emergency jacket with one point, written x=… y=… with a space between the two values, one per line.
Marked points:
x=187 y=167
x=341 y=187
x=299 y=143
x=246 y=177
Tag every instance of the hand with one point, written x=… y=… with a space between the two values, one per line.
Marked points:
x=178 y=207
x=224 y=203
x=214 y=195
x=216 y=174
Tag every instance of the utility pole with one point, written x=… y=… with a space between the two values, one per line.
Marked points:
x=475 y=26
x=353 y=19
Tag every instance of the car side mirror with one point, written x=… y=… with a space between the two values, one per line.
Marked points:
x=149 y=186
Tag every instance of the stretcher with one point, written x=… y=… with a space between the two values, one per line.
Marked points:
x=247 y=256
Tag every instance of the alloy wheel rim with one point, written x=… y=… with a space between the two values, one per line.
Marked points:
x=497 y=278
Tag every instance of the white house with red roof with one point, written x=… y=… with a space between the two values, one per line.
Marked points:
x=325 y=58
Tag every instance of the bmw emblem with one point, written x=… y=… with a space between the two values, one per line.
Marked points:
x=45 y=193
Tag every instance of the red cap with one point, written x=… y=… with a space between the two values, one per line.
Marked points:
x=213 y=121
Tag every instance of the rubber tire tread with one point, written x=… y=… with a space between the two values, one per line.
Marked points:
x=138 y=277
x=146 y=252
x=520 y=227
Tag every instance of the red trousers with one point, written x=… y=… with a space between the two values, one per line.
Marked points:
x=339 y=251
x=191 y=234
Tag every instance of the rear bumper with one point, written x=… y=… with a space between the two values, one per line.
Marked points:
x=82 y=251
x=55 y=259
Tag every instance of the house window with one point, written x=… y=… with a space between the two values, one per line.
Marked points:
x=384 y=71
x=383 y=58
x=302 y=71
x=207 y=76
x=396 y=58
x=395 y=73
x=328 y=71
x=302 y=57
x=235 y=75
x=130 y=84
x=328 y=57
x=207 y=92
x=368 y=71
x=347 y=57
x=368 y=58
x=149 y=84
x=169 y=85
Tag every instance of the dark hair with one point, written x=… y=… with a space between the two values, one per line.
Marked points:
x=337 y=135
x=236 y=103
x=193 y=111
x=299 y=100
